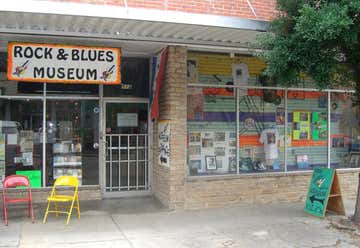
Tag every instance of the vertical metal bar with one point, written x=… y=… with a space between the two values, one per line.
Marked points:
x=329 y=129
x=146 y=165
x=110 y=168
x=137 y=161
x=119 y=167
x=128 y=160
x=149 y=147
x=44 y=138
x=237 y=136
x=285 y=129
x=102 y=142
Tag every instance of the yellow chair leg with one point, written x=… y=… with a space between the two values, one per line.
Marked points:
x=47 y=212
x=56 y=209
x=78 y=206
x=70 y=212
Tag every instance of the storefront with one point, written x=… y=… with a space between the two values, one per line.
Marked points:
x=222 y=137
x=97 y=131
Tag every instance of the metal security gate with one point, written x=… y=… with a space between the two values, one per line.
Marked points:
x=125 y=150
x=126 y=162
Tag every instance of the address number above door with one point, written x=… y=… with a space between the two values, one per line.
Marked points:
x=53 y=63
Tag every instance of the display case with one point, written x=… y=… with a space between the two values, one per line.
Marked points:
x=67 y=159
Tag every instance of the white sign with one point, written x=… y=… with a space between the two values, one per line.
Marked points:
x=164 y=142
x=52 y=63
x=127 y=119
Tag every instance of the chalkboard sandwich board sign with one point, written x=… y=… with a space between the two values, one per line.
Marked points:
x=324 y=193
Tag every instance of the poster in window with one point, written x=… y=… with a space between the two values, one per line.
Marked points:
x=26 y=140
x=301 y=128
x=219 y=136
x=192 y=71
x=280 y=116
x=127 y=119
x=319 y=125
x=195 y=137
x=210 y=162
x=164 y=142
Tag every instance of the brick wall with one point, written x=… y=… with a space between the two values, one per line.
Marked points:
x=264 y=9
x=258 y=189
x=40 y=195
x=168 y=183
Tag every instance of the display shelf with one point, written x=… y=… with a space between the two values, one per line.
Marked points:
x=70 y=164
x=67 y=159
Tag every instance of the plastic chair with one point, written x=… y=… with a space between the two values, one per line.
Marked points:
x=64 y=181
x=14 y=181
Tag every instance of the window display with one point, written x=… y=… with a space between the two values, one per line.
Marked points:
x=270 y=137
x=345 y=132
x=261 y=130
x=211 y=131
x=72 y=132
x=67 y=159
x=308 y=130
x=260 y=116
x=20 y=144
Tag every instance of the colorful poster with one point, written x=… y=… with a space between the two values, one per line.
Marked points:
x=319 y=126
x=280 y=116
x=164 y=142
x=301 y=122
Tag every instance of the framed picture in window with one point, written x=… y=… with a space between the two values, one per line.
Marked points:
x=210 y=162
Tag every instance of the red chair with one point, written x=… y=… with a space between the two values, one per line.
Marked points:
x=14 y=181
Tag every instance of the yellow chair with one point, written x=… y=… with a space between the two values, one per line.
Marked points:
x=64 y=181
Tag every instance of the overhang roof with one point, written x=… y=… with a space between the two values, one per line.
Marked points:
x=112 y=22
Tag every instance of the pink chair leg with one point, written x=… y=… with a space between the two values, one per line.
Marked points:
x=31 y=210
x=5 y=215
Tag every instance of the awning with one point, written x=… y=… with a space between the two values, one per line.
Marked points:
x=112 y=22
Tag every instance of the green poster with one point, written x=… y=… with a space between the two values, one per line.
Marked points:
x=319 y=126
x=319 y=191
x=34 y=177
x=296 y=117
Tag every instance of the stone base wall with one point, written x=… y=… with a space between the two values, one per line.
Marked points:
x=214 y=192
x=40 y=195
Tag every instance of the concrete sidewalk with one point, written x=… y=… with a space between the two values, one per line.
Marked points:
x=143 y=222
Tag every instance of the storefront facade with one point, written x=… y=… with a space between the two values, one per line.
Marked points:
x=222 y=136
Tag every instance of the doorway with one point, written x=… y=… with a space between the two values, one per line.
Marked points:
x=126 y=143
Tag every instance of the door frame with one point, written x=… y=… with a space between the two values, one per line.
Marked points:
x=102 y=150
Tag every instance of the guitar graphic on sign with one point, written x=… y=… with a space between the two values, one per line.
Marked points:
x=106 y=74
x=21 y=68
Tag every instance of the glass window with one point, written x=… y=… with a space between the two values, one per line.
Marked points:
x=13 y=88
x=307 y=130
x=21 y=139
x=72 y=140
x=211 y=130
x=345 y=132
x=134 y=79
x=72 y=89
x=261 y=130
